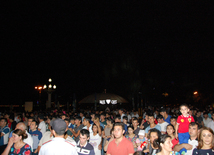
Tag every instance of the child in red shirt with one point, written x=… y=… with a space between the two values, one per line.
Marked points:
x=182 y=127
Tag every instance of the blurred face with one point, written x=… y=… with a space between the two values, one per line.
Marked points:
x=170 y=130
x=135 y=123
x=102 y=117
x=162 y=113
x=72 y=121
x=33 y=126
x=29 y=121
x=124 y=121
x=151 y=119
x=141 y=136
x=95 y=129
x=81 y=114
x=118 y=132
x=130 y=130
x=84 y=122
x=193 y=130
x=67 y=123
x=213 y=116
x=184 y=110
x=83 y=139
x=147 y=118
x=16 y=138
x=2 y=123
x=117 y=120
x=107 y=115
x=153 y=136
x=167 y=145
x=205 y=115
x=206 y=137
x=190 y=112
x=160 y=121
x=63 y=117
x=77 y=122
x=120 y=112
x=173 y=122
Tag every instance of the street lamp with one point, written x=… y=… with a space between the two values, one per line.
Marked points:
x=39 y=88
x=51 y=88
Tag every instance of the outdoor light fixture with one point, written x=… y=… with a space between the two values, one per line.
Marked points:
x=50 y=86
x=49 y=80
x=108 y=101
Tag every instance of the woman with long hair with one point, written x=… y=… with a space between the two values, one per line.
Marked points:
x=205 y=142
x=107 y=129
x=131 y=136
x=170 y=130
x=96 y=140
x=16 y=146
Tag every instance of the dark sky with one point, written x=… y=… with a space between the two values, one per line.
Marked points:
x=75 y=42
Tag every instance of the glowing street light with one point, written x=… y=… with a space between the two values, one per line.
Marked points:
x=51 y=88
x=195 y=93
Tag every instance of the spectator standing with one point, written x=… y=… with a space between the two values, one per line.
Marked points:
x=132 y=137
x=42 y=126
x=71 y=124
x=166 y=117
x=36 y=135
x=211 y=123
x=120 y=145
x=135 y=114
x=13 y=123
x=107 y=130
x=30 y=119
x=170 y=130
x=162 y=124
x=87 y=125
x=4 y=133
x=199 y=119
x=83 y=147
x=58 y=145
x=121 y=113
x=76 y=130
x=135 y=124
x=102 y=119
x=152 y=124
x=206 y=119
x=96 y=140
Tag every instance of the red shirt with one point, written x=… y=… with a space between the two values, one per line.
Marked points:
x=174 y=142
x=125 y=147
x=184 y=122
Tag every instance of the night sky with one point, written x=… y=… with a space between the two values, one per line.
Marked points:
x=86 y=47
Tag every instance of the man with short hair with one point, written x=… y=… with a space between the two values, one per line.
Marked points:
x=135 y=124
x=192 y=142
x=83 y=147
x=102 y=119
x=211 y=124
x=71 y=124
x=82 y=116
x=152 y=124
x=36 y=135
x=166 y=117
x=206 y=119
x=76 y=130
x=4 y=133
x=87 y=125
x=120 y=145
x=118 y=120
x=58 y=145
x=42 y=125
x=162 y=124
x=121 y=112
x=30 y=119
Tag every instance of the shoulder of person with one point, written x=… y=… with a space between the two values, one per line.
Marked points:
x=47 y=142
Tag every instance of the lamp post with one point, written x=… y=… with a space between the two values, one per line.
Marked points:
x=49 y=88
x=39 y=88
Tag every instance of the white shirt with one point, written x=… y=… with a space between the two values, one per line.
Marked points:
x=90 y=129
x=42 y=126
x=163 y=126
x=58 y=146
x=29 y=140
x=135 y=115
x=95 y=142
x=122 y=117
x=206 y=121
x=211 y=125
x=45 y=138
x=194 y=144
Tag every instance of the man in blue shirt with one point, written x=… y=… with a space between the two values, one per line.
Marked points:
x=83 y=147
x=166 y=117
x=152 y=124
x=4 y=133
x=36 y=135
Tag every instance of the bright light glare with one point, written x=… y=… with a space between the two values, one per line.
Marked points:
x=54 y=86
x=50 y=86
x=35 y=87
x=102 y=101
x=44 y=87
x=49 y=80
x=195 y=93
x=108 y=101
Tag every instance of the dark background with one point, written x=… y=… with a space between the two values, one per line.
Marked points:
x=125 y=47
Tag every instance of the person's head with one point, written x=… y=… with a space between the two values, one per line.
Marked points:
x=63 y=116
x=66 y=121
x=18 y=135
x=163 y=143
x=3 y=122
x=173 y=121
x=205 y=115
x=206 y=138
x=109 y=121
x=193 y=129
x=130 y=129
x=160 y=119
x=151 y=119
x=11 y=118
x=139 y=153
x=92 y=116
x=198 y=113
x=58 y=127
x=30 y=119
x=120 y=111
x=184 y=109
x=21 y=126
x=7 y=115
x=141 y=134
x=163 y=112
x=170 y=129
x=94 y=128
x=102 y=116
x=33 y=125
x=117 y=118
x=118 y=130
x=86 y=121
x=78 y=120
x=84 y=136
x=81 y=114
x=154 y=134
x=40 y=117
x=135 y=122
x=72 y=120
x=125 y=119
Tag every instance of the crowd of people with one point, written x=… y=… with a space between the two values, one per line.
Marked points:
x=182 y=130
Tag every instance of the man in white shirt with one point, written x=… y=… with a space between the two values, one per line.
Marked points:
x=206 y=119
x=42 y=126
x=211 y=123
x=162 y=124
x=121 y=114
x=87 y=125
